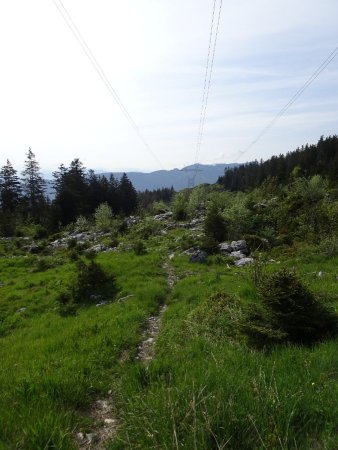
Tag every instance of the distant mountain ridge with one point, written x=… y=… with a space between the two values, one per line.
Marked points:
x=178 y=178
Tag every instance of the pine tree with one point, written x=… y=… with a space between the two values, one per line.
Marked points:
x=71 y=199
x=10 y=188
x=128 y=195
x=33 y=184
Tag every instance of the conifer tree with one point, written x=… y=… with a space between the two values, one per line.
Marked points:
x=33 y=184
x=71 y=192
x=9 y=187
x=128 y=195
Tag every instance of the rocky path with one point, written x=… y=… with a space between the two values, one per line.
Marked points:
x=146 y=350
x=102 y=411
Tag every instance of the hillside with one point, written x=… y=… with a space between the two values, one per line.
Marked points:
x=183 y=329
x=176 y=178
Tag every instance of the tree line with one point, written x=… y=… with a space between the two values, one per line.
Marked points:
x=77 y=192
x=307 y=161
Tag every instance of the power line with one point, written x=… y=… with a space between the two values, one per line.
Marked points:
x=98 y=68
x=206 y=75
x=207 y=83
x=293 y=99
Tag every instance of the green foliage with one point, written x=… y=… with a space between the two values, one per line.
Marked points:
x=256 y=242
x=179 y=206
x=158 y=207
x=329 y=246
x=146 y=228
x=81 y=224
x=139 y=248
x=289 y=313
x=103 y=217
x=90 y=283
x=215 y=226
x=209 y=244
x=91 y=279
x=217 y=317
x=197 y=198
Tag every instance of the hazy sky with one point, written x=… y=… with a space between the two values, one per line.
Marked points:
x=154 y=54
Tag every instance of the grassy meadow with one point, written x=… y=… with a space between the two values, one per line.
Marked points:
x=206 y=388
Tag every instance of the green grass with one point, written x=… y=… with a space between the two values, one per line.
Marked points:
x=203 y=390
x=53 y=368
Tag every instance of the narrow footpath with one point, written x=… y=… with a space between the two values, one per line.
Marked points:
x=102 y=411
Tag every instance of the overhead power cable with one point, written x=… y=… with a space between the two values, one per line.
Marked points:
x=293 y=99
x=213 y=35
x=98 y=68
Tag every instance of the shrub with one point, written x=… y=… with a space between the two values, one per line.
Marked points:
x=208 y=244
x=90 y=280
x=215 y=225
x=217 y=317
x=329 y=246
x=66 y=303
x=139 y=248
x=180 y=206
x=147 y=228
x=103 y=217
x=289 y=313
x=256 y=242
x=81 y=224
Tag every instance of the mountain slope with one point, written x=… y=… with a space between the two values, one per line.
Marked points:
x=178 y=178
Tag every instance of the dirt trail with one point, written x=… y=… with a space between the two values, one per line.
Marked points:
x=102 y=411
x=146 y=350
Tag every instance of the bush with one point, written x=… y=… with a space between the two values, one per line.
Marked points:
x=103 y=217
x=289 y=313
x=329 y=246
x=139 y=248
x=179 y=206
x=215 y=225
x=208 y=244
x=90 y=283
x=147 y=228
x=256 y=242
x=81 y=224
x=217 y=317
x=91 y=280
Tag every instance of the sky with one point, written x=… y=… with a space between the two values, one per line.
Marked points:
x=154 y=54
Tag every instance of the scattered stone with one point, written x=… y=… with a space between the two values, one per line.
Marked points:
x=33 y=248
x=320 y=274
x=243 y=262
x=260 y=205
x=131 y=220
x=98 y=248
x=164 y=216
x=237 y=255
x=189 y=251
x=146 y=349
x=199 y=256
x=225 y=247
x=171 y=256
x=109 y=421
x=21 y=310
x=80 y=436
x=92 y=438
x=240 y=246
x=103 y=303
x=122 y=299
